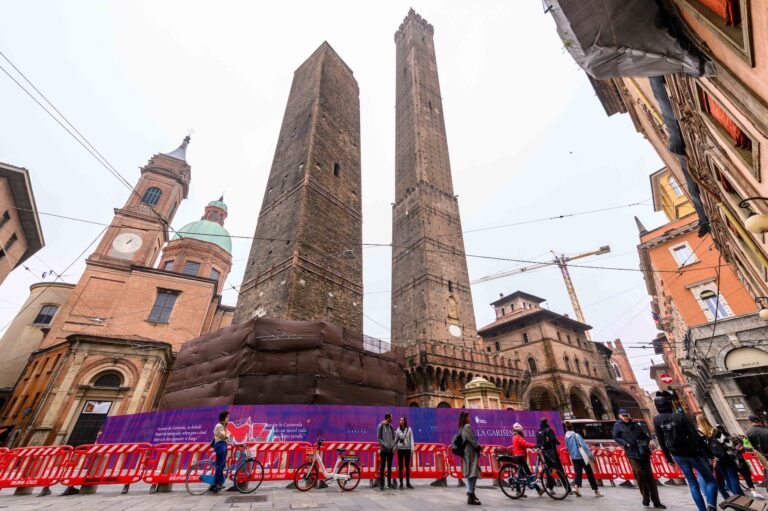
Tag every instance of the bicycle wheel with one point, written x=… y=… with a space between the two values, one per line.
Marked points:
x=555 y=484
x=249 y=476
x=199 y=477
x=306 y=476
x=509 y=481
x=351 y=469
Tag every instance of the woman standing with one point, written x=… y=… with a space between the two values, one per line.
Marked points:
x=724 y=453
x=404 y=448
x=221 y=437
x=470 y=461
x=578 y=450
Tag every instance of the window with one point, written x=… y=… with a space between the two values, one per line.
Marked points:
x=55 y=361
x=168 y=265
x=532 y=366
x=577 y=364
x=4 y=219
x=214 y=216
x=152 y=196
x=567 y=364
x=503 y=311
x=568 y=338
x=675 y=186
x=738 y=137
x=683 y=254
x=559 y=336
x=191 y=268
x=715 y=304
x=498 y=346
x=46 y=314
x=526 y=339
x=161 y=311
x=450 y=286
x=336 y=169
x=586 y=365
x=108 y=380
x=215 y=274
x=8 y=244
x=617 y=371
x=727 y=10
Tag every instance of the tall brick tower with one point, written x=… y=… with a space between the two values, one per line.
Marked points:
x=431 y=298
x=306 y=262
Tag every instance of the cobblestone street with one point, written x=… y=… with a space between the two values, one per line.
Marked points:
x=274 y=496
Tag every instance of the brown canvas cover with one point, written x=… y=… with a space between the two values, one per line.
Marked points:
x=265 y=361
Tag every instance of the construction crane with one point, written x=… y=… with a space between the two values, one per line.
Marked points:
x=562 y=262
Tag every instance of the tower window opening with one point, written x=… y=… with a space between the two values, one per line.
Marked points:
x=526 y=339
x=161 y=310
x=151 y=196
x=336 y=169
x=6 y=216
x=429 y=103
x=450 y=286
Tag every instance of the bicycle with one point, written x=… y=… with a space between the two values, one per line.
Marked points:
x=246 y=472
x=513 y=482
x=346 y=471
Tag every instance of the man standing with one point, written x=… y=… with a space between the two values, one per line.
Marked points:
x=385 y=433
x=758 y=435
x=631 y=436
x=547 y=441
x=684 y=446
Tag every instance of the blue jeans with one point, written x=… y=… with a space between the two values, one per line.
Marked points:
x=731 y=474
x=471 y=481
x=687 y=464
x=220 y=448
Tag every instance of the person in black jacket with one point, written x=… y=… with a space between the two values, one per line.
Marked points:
x=547 y=441
x=635 y=441
x=684 y=446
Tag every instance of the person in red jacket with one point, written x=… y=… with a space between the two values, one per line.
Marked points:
x=520 y=448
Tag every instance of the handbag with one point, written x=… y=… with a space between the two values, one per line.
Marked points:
x=585 y=455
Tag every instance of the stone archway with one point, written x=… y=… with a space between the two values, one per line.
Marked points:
x=579 y=407
x=541 y=399
x=620 y=399
x=598 y=408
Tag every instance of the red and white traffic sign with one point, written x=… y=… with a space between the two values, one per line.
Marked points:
x=665 y=378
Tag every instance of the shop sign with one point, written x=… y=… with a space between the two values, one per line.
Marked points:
x=745 y=358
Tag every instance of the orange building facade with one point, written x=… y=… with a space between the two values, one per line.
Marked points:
x=110 y=345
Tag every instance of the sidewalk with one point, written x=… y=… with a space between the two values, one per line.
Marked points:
x=274 y=496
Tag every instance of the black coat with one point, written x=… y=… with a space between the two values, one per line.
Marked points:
x=628 y=435
x=691 y=443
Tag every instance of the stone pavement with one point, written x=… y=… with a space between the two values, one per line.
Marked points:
x=274 y=496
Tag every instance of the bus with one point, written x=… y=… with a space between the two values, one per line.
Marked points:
x=599 y=433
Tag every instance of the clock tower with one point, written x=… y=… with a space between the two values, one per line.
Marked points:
x=140 y=228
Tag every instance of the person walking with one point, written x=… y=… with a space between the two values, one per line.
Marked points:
x=404 y=447
x=221 y=437
x=520 y=448
x=635 y=441
x=385 y=434
x=547 y=441
x=745 y=469
x=724 y=454
x=683 y=446
x=582 y=458
x=470 y=461
x=758 y=435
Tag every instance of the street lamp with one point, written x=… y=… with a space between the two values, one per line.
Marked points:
x=761 y=301
x=755 y=223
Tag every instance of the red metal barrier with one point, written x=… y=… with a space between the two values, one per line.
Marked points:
x=489 y=465
x=97 y=464
x=279 y=459
x=565 y=459
x=28 y=467
x=755 y=467
x=366 y=452
x=621 y=465
x=661 y=468
x=429 y=461
x=603 y=465
x=168 y=463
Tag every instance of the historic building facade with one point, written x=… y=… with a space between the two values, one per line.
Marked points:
x=20 y=231
x=112 y=340
x=306 y=260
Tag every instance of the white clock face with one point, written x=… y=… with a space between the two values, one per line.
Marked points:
x=127 y=242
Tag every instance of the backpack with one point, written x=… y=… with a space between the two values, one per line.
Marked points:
x=457 y=445
x=673 y=437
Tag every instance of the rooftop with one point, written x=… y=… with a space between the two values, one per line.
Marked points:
x=21 y=188
x=513 y=320
x=519 y=294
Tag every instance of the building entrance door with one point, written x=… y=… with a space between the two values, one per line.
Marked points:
x=755 y=390
x=89 y=422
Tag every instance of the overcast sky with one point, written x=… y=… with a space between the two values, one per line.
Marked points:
x=527 y=137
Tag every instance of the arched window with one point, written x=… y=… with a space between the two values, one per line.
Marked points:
x=715 y=304
x=108 y=380
x=532 y=365
x=567 y=364
x=577 y=364
x=414 y=405
x=152 y=196
x=586 y=365
x=443 y=404
x=46 y=314
x=675 y=186
x=617 y=371
x=498 y=346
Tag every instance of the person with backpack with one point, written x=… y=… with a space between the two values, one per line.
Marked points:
x=636 y=443
x=581 y=456
x=466 y=442
x=547 y=441
x=385 y=434
x=683 y=446
x=404 y=447
x=724 y=454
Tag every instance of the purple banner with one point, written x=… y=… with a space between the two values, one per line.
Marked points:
x=266 y=423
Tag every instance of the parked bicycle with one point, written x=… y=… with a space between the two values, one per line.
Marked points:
x=246 y=472
x=346 y=471
x=513 y=482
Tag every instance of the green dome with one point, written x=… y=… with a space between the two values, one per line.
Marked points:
x=218 y=204
x=205 y=230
